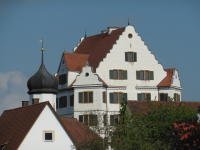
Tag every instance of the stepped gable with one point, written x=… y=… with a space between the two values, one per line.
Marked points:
x=135 y=105
x=98 y=46
x=78 y=130
x=75 y=62
x=16 y=123
x=167 y=80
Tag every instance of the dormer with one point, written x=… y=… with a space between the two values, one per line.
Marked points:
x=110 y=29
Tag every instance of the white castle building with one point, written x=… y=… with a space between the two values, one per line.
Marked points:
x=105 y=66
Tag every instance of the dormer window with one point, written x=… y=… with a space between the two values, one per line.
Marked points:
x=63 y=79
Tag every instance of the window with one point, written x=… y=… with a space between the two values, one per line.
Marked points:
x=62 y=79
x=114 y=119
x=89 y=120
x=56 y=103
x=144 y=96
x=86 y=97
x=116 y=97
x=131 y=56
x=176 y=97
x=48 y=135
x=63 y=102
x=144 y=75
x=163 y=96
x=130 y=35
x=104 y=97
x=118 y=74
x=72 y=100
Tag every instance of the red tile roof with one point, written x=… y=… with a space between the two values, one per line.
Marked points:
x=135 y=105
x=98 y=46
x=167 y=80
x=78 y=130
x=75 y=62
x=16 y=123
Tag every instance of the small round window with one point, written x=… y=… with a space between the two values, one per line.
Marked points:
x=130 y=35
x=86 y=74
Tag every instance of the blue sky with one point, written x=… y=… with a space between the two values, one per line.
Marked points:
x=170 y=29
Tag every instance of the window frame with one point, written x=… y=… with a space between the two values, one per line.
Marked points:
x=145 y=75
x=145 y=96
x=62 y=102
x=88 y=97
x=105 y=97
x=177 y=97
x=117 y=97
x=118 y=74
x=48 y=131
x=132 y=52
x=88 y=123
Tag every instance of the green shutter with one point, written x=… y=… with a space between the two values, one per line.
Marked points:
x=135 y=57
x=174 y=97
x=138 y=75
x=151 y=75
x=81 y=118
x=179 y=98
x=90 y=97
x=125 y=74
x=125 y=96
x=111 y=97
x=126 y=56
x=139 y=96
x=103 y=97
x=165 y=96
x=112 y=119
x=148 y=96
x=111 y=74
x=80 y=97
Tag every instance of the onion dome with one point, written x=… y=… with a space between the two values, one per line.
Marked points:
x=42 y=81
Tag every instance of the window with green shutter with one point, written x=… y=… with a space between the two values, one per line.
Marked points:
x=111 y=74
x=137 y=75
x=81 y=118
x=144 y=96
x=116 y=97
x=125 y=74
x=151 y=75
x=104 y=97
x=80 y=97
x=144 y=75
x=165 y=96
x=135 y=57
x=111 y=98
x=139 y=96
x=131 y=56
x=148 y=96
x=125 y=96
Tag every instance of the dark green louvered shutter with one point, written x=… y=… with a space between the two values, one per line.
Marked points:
x=80 y=97
x=126 y=56
x=90 y=97
x=111 y=97
x=175 y=97
x=125 y=74
x=151 y=75
x=112 y=120
x=111 y=74
x=103 y=97
x=138 y=75
x=139 y=96
x=135 y=57
x=81 y=118
x=179 y=98
x=148 y=96
x=165 y=96
x=125 y=96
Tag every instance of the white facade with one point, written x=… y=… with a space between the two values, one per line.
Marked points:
x=115 y=59
x=47 y=121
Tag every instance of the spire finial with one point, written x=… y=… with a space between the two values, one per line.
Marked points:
x=42 y=49
x=65 y=50
x=87 y=63
x=85 y=34
x=128 y=22
x=175 y=67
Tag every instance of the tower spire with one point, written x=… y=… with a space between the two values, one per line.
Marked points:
x=128 y=22
x=42 y=49
x=85 y=34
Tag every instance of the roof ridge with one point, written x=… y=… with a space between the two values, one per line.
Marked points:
x=77 y=54
x=26 y=106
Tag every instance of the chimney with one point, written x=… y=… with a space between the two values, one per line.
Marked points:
x=110 y=29
x=104 y=31
x=35 y=101
x=25 y=103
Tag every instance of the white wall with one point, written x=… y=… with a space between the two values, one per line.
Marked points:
x=43 y=98
x=46 y=121
x=175 y=79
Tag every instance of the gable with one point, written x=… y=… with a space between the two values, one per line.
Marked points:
x=47 y=121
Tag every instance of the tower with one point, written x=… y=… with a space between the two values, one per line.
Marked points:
x=42 y=86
